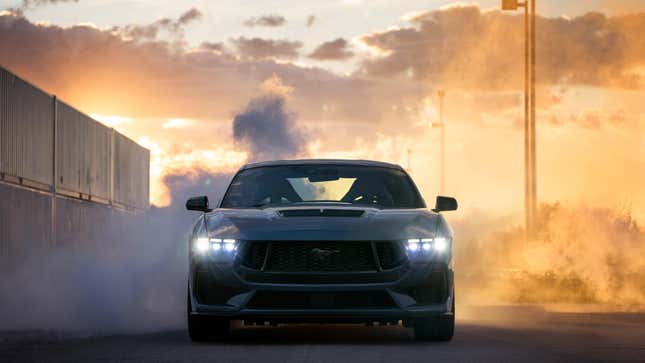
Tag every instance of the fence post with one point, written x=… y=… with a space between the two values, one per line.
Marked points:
x=54 y=186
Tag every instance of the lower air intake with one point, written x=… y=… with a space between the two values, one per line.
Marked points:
x=321 y=300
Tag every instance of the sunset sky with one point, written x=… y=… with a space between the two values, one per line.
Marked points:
x=359 y=80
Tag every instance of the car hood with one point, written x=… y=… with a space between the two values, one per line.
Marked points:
x=273 y=224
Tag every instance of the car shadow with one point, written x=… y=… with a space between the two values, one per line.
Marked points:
x=302 y=334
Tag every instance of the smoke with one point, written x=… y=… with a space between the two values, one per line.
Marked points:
x=267 y=129
x=187 y=183
x=134 y=279
x=580 y=255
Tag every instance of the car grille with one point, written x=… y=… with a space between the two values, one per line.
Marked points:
x=322 y=256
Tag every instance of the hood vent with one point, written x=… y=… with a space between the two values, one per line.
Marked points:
x=321 y=213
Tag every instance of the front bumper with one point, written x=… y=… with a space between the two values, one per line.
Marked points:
x=413 y=293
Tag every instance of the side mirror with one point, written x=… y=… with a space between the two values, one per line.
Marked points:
x=198 y=204
x=445 y=204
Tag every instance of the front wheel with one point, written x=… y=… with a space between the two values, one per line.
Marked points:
x=206 y=328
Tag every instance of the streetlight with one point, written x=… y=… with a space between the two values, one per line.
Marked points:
x=530 y=187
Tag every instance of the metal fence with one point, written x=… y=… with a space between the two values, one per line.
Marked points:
x=83 y=149
x=48 y=145
x=26 y=132
x=66 y=181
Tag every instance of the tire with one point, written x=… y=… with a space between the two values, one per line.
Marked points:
x=206 y=328
x=437 y=328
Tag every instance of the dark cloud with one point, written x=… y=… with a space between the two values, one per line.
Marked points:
x=189 y=16
x=174 y=28
x=333 y=50
x=213 y=46
x=30 y=4
x=266 y=20
x=311 y=19
x=258 y=48
x=267 y=129
x=465 y=47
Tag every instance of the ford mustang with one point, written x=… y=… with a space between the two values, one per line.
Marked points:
x=321 y=241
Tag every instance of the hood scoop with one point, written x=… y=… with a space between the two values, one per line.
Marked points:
x=321 y=212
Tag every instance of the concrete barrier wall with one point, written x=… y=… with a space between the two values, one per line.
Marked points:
x=25 y=224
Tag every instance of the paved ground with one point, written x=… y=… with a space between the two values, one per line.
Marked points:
x=522 y=334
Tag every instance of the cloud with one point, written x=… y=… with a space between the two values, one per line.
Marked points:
x=177 y=123
x=32 y=4
x=162 y=81
x=258 y=48
x=311 y=19
x=189 y=16
x=332 y=50
x=266 y=20
x=463 y=46
x=174 y=28
x=213 y=46
x=88 y=67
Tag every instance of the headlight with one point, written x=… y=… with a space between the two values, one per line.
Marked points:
x=216 y=245
x=202 y=245
x=427 y=245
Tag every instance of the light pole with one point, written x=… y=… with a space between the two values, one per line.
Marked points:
x=532 y=123
x=530 y=186
x=442 y=145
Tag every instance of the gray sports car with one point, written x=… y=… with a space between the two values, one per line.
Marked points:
x=321 y=241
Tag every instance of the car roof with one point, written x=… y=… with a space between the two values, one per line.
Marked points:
x=322 y=162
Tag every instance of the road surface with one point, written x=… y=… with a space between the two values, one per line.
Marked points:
x=521 y=334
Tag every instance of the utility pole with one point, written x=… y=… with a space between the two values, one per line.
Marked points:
x=442 y=145
x=533 y=153
x=530 y=185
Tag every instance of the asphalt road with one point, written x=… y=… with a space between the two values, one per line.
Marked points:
x=522 y=334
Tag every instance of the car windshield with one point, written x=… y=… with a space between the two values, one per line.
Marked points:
x=380 y=187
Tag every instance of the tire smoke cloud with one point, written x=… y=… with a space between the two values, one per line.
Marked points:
x=135 y=281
